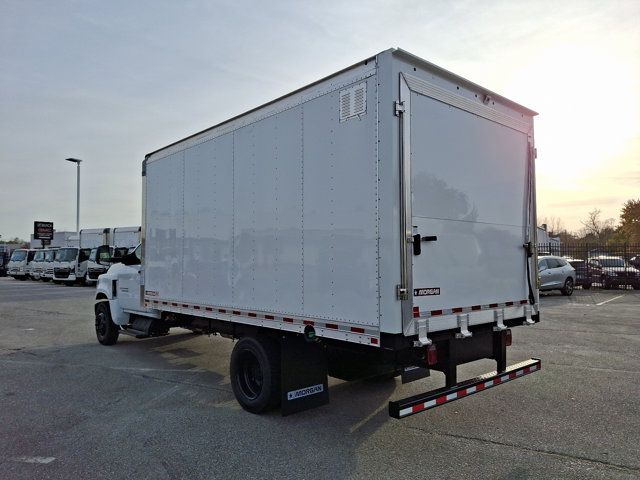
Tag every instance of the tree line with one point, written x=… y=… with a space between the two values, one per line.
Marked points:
x=595 y=229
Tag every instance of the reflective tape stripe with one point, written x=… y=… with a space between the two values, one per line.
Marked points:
x=463 y=392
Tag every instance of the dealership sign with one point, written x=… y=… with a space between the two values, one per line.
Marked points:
x=42 y=230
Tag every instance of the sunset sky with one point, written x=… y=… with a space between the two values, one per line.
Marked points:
x=110 y=81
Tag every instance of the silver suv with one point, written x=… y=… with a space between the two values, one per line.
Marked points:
x=556 y=273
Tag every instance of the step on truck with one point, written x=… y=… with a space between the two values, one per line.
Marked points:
x=377 y=222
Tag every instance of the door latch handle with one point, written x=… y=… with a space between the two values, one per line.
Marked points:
x=417 y=242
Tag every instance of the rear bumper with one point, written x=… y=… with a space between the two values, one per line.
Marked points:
x=428 y=400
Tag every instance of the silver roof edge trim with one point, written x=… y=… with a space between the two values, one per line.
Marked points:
x=457 y=78
x=427 y=89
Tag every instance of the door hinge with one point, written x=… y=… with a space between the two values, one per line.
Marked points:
x=401 y=293
x=399 y=108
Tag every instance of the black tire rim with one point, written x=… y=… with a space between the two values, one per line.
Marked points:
x=101 y=324
x=249 y=375
x=569 y=286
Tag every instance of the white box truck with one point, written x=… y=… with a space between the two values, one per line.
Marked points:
x=71 y=264
x=121 y=241
x=379 y=221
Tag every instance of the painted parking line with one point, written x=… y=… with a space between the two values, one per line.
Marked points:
x=44 y=460
x=610 y=300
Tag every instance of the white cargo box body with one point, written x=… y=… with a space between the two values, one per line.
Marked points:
x=125 y=237
x=303 y=211
x=94 y=237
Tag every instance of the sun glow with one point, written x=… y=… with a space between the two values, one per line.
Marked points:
x=588 y=108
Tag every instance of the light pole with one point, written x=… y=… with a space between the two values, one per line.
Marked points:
x=77 y=162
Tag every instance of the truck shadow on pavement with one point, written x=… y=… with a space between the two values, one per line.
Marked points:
x=147 y=397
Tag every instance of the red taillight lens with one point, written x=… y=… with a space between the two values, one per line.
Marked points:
x=432 y=355
x=507 y=339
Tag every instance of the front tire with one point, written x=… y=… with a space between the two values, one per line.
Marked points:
x=106 y=331
x=567 y=290
x=255 y=373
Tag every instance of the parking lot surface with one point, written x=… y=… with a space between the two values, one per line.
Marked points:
x=163 y=408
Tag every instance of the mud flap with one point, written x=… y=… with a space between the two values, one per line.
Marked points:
x=303 y=375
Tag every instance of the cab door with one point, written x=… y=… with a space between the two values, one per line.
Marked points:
x=129 y=281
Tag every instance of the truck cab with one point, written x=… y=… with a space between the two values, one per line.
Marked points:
x=36 y=267
x=47 y=270
x=120 y=287
x=18 y=262
x=95 y=269
x=70 y=265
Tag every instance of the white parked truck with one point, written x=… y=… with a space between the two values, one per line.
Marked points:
x=379 y=221
x=75 y=268
x=125 y=237
x=121 y=240
x=37 y=265
x=18 y=266
x=49 y=258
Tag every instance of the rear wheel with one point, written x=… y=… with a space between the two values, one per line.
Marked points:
x=255 y=373
x=568 y=287
x=606 y=283
x=586 y=286
x=106 y=331
x=636 y=286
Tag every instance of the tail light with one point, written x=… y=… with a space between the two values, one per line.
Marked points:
x=432 y=355
x=507 y=338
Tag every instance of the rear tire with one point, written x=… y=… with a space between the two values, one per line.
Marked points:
x=567 y=290
x=586 y=286
x=636 y=286
x=106 y=331
x=255 y=373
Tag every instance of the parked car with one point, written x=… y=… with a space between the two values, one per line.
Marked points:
x=635 y=261
x=583 y=274
x=556 y=273
x=613 y=272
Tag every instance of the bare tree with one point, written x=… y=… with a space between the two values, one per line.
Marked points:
x=595 y=227
x=555 y=225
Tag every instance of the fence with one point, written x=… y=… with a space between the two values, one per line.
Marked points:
x=600 y=266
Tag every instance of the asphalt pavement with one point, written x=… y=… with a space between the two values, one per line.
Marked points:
x=163 y=408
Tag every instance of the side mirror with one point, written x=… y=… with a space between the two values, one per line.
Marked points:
x=103 y=255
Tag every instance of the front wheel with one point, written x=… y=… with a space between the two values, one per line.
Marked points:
x=568 y=287
x=106 y=331
x=255 y=373
x=636 y=286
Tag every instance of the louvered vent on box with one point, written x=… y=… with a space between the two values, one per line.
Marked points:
x=353 y=101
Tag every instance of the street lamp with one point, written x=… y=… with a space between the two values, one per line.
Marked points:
x=77 y=162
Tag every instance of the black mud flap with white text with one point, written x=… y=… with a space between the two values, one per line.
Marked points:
x=303 y=375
